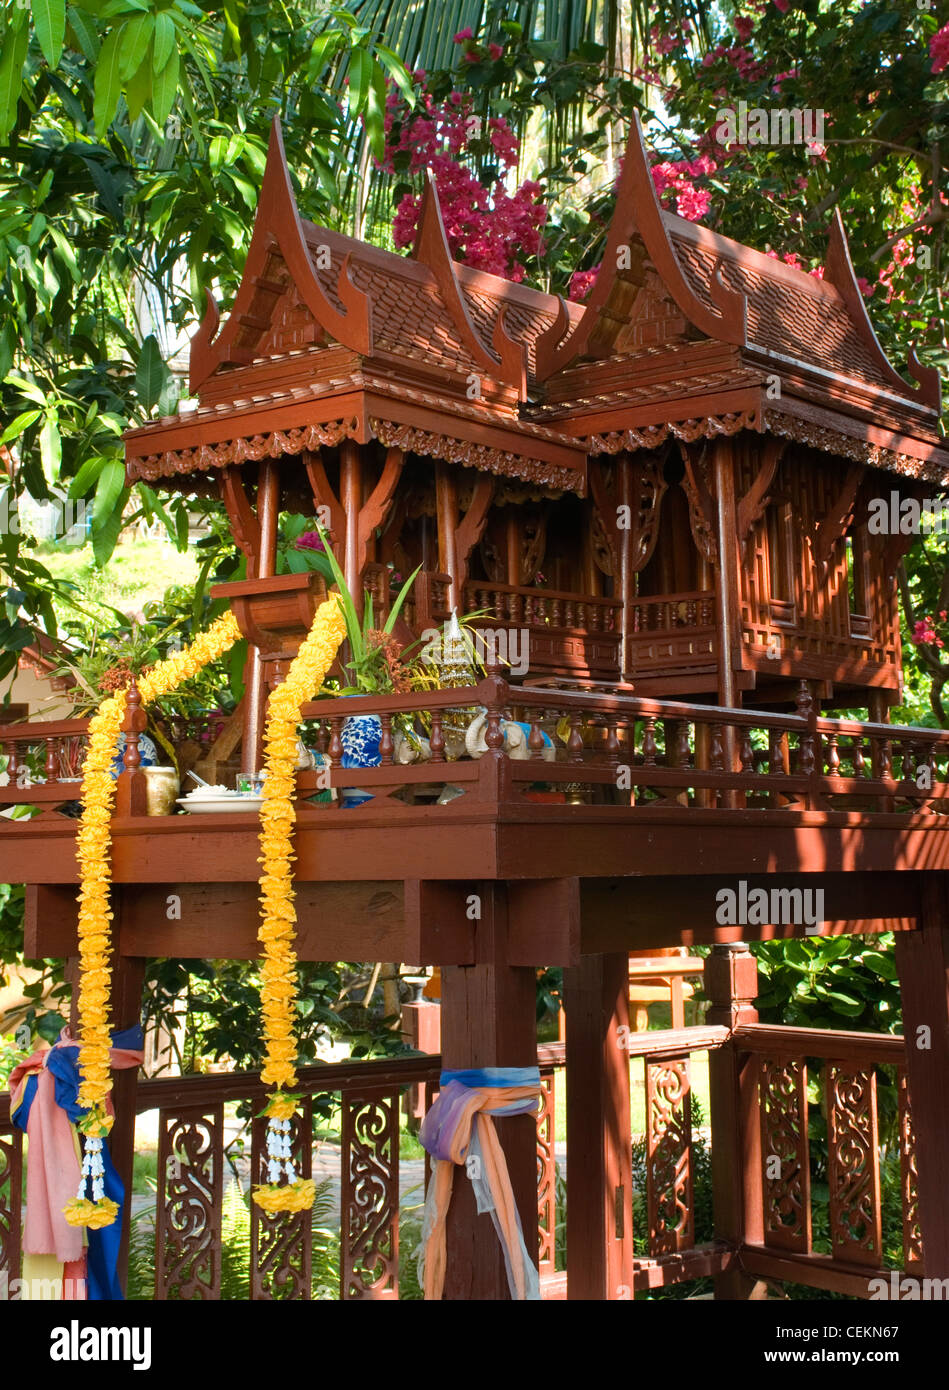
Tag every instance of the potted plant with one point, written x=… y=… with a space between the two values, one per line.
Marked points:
x=376 y=664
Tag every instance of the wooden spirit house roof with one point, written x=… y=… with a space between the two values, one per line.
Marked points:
x=686 y=333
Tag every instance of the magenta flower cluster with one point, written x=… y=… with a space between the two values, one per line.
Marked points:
x=939 y=48
x=488 y=227
x=924 y=632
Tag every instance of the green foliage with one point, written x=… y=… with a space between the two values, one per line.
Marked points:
x=830 y=982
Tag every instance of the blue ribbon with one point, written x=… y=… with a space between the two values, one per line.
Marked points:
x=102 y=1278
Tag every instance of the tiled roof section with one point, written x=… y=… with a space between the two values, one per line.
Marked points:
x=789 y=312
x=410 y=318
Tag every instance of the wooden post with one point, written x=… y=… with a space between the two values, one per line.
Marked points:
x=265 y=565
x=131 y=788
x=350 y=497
x=727 y=593
x=731 y=983
x=626 y=585
x=128 y=974
x=446 y=503
x=922 y=959
x=600 y=1162
x=488 y=1020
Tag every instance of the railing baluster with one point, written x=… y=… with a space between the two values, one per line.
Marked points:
x=437 y=740
x=717 y=749
x=833 y=756
x=575 y=740
x=612 y=746
x=649 y=741
x=336 y=742
x=385 y=741
x=683 y=747
x=535 y=739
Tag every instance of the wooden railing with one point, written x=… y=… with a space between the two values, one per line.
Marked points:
x=623 y=750
x=522 y=607
x=852 y=1068
x=664 y=612
x=607 y=749
x=676 y=1240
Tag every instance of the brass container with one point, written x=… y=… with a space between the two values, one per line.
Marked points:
x=162 y=791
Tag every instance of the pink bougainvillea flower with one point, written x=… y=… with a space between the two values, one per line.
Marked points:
x=496 y=50
x=782 y=5
x=691 y=202
x=581 y=283
x=462 y=35
x=744 y=27
x=939 y=48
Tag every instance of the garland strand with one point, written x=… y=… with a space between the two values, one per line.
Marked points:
x=93 y=847
x=278 y=915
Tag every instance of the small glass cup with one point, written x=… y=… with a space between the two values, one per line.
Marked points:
x=245 y=784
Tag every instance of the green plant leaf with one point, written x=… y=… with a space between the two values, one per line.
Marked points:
x=12 y=62
x=108 y=490
x=164 y=41
x=135 y=40
x=108 y=85
x=51 y=448
x=49 y=21
x=150 y=373
x=360 y=76
x=165 y=89
x=16 y=427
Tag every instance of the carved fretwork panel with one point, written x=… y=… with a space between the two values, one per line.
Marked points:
x=782 y=1095
x=669 y=1206
x=853 y=1163
x=11 y=1182
x=369 y=1212
x=530 y=523
x=646 y=488
x=190 y=1177
x=292 y=326
x=697 y=484
x=909 y=1181
x=546 y=1176
x=653 y=319
x=281 y=1244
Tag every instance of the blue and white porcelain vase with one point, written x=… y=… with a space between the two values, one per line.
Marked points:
x=361 y=736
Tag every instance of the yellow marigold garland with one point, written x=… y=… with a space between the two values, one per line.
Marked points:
x=93 y=845
x=278 y=916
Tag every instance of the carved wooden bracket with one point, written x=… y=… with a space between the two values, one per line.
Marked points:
x=373 y=512
x=752 y=506
x=835 y=524
x=471 y=526
x=244 y=524
x=647 y=487
x=702 y=517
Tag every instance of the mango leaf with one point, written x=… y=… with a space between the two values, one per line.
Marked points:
x=322 y=51
x=108 y=80
x=12 y=61
x=164 y=41
x=375 y=111
x=16 y=427
x=397 y=71
x=84 y=33
x=51 y=447
x=150 y=373
x=108 y=490
x=104 y=539
x=165 y=88
x=135 y=39
x=49 y=21
x=87 y=475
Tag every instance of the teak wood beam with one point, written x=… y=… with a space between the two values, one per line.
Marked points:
x=599 y=1177
x=839 y=516
x=245 y=527
x=922 y=960
x=354 y=521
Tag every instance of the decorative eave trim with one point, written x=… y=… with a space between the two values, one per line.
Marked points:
x=638 y=213
x=838 y=271
x=154 y=467
x=831 y=441
x=431 y=249
x=278 y=221
x=688 y=431
x=481 y=456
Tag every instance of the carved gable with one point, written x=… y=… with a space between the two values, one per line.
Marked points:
x=654 y=318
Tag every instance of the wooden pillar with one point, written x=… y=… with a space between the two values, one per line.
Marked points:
x=446 y=505
x=922 y=959
x=488 y=1020
x=350 y=497
x=727 y=593
x=731 y=983
x=600 y=1160
x=626 y=574
x=255 y=692
x=128 y=974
